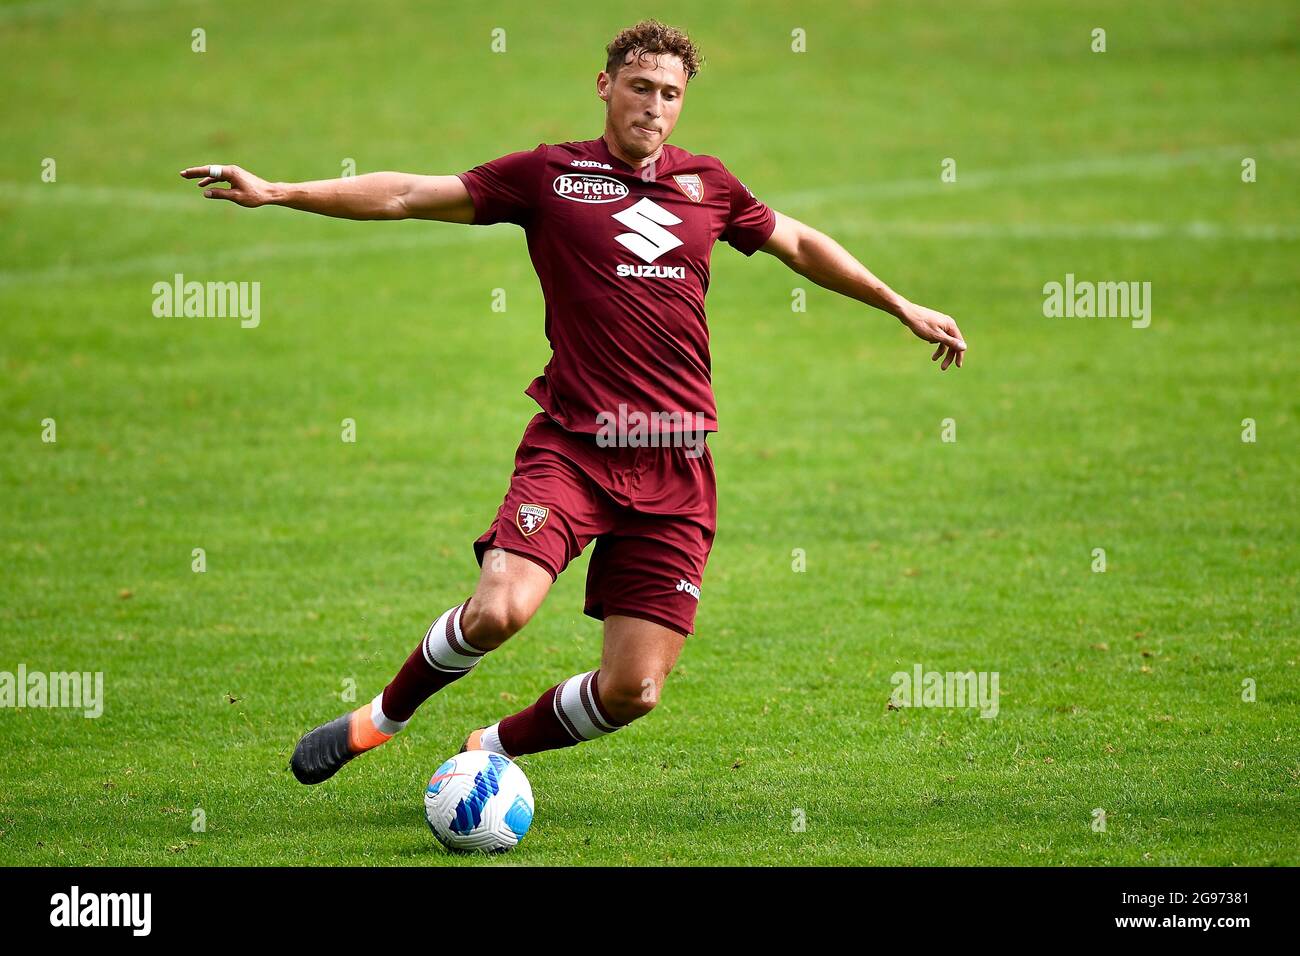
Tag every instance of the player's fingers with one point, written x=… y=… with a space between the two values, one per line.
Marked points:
x=231 y=194
x=951 y=329
x=947 y=360
x=937 y=352
x=214 y=173
x=948 y=325
x=949 y=341
x=960 y=356
x=201 y=172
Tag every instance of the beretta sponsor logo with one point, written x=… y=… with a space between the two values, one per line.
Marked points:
x=587 y=187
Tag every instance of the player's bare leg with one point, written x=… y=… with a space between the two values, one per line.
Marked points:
x=636 y=660
x=510 y=590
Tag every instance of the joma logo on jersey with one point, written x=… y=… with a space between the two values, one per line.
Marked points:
x=590 y=164
x=588 y=188
x=689 y=588
x=530 y=518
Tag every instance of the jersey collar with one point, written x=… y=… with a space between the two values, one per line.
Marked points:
x=661 y=166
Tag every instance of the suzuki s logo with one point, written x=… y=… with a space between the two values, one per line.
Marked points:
x=649 y=239
x=589 y=188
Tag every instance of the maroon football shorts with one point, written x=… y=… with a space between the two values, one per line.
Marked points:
x=651 y=511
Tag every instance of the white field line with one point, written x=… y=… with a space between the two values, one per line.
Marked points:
x=193 y=262
x=185 y=197
x=440 y=236
x=1211 y=231
x=181 y=199
x=35 y=9
x=1096 y=167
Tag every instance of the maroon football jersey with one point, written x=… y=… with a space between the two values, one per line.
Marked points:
x=623 y=260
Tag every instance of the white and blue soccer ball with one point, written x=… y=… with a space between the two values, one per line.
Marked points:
x=479 y=800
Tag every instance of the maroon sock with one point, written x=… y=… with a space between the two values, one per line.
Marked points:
x=442 y=657
x=566 y=714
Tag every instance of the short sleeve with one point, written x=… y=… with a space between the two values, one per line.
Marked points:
x=506 y=189
x=749 y=221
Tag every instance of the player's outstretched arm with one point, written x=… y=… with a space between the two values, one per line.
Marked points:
x=823 y=260
x=370 y=196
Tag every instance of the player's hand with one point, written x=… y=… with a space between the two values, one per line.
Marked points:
x=934 y=326
x=245 y=189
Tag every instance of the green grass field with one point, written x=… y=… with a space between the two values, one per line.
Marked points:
x=1121 y=691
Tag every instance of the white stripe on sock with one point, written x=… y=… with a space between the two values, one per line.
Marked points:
x=577 y=702
x=383 y=723
x=491 y=740
x=438 y=651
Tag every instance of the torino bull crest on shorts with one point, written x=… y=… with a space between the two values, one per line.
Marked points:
x=530 y=518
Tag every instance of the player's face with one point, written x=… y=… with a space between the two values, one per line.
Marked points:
x=643 y=101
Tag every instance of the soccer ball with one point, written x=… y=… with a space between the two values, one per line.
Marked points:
x=479 y=801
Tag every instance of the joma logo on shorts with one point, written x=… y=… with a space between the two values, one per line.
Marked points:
x=689 y=588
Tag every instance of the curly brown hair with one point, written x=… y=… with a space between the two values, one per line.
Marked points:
x=651 y=36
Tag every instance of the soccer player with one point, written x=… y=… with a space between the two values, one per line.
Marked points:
x=620 y=229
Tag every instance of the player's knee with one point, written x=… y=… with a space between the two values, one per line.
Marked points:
x=493 y=619
x=626 y=700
